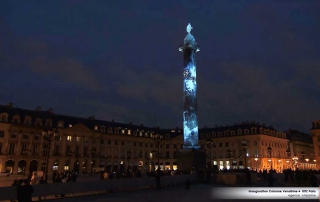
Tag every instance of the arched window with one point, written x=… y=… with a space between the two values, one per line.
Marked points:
x=239 y=132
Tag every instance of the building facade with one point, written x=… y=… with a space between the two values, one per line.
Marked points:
x=83 y=145
x=37 y=140
x=246 y=144
x=301 y=149
x=315 y=131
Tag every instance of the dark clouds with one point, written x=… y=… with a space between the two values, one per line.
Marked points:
x=258 y=60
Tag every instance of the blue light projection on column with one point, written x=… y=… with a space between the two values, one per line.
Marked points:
x=190 y=117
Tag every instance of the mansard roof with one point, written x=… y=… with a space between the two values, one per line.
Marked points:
x=295 y=135
x=89 y=122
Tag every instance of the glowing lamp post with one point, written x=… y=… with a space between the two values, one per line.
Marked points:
x=93 y=153
x=302 y=159
x=48 y=135
x=256 y=159
x=244 y=148
x=295 y=159
x=209 y=143
x=158 y=138
x=269 y=149
x=129 y=157
x=229 y=156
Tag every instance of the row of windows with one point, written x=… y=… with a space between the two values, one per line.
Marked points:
x=35 y=150
x=242 y=132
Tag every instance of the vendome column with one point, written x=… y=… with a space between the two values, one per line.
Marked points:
x=191 y=156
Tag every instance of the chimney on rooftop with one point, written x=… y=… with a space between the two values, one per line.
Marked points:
x=38 y=109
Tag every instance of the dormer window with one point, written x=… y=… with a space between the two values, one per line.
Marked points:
x=38 y=122
x=129 y=132
x=116 y=130
x=246 y=131
x=140 y=134
x=239 y=132
x=214 y=134
x=219 y=134
x=167 y=136
x=123 y=131
x=96 y=128
x=48 y=122
x=208 y=135
x=232 y=132
x=103 y=129
x=27 y=120
x=110 y=130
x=146 y=134
x=253 y=130
x=16 y=119
x=61 y=124
x=70 y=125
x=134 y=133
x=4 y=117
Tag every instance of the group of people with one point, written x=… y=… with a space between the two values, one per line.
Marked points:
x=24 y=190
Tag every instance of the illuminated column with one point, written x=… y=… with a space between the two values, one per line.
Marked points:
x=190 y=118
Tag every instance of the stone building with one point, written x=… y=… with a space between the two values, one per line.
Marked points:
x=40 y=140
x=245 y=144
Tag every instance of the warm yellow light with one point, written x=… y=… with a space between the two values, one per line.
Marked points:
x=269 y=160
x=307 y=160
x=256 y=159
x=287 y=161
x=279 y=160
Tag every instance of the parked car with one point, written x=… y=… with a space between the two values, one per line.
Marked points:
x=4 y=174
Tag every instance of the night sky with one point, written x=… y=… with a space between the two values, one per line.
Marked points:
x=259 y=60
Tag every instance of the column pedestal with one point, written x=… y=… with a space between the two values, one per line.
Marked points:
x=191 y=159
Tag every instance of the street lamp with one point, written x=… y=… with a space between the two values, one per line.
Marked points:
x=302 y=155
x=269 y=152
x=93 y=153
x=289 y=156
x=129 y=157
x=209 y=143
x=70 y=153
x=49 y=135
x=244 y=147
x=295 y=159
x=256 y=159
x=158 y=138
x=229 y=156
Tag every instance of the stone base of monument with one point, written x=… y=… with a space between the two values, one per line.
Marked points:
x=191 y=159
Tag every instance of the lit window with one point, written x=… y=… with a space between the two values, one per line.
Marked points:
x=69 y=138
x=122 y=132
x=70 y=125
x=129 y=132
x=77 y=139
x=95 y=127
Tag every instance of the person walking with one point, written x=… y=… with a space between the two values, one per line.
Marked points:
x=27 y=191
x=14 y=184
x=158 y=179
